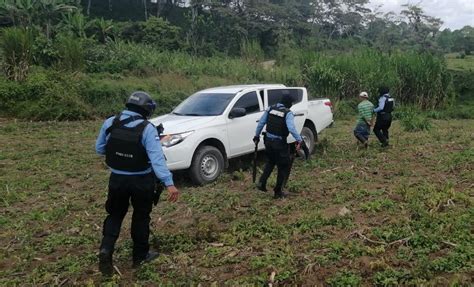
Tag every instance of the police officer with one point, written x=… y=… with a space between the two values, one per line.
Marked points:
x=280 y=123
x=132 y=150
x=384 y=116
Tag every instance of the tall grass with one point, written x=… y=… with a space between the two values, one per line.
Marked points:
x=251 y=51
x=17 y=45
x=71 y=53
x=419 y=79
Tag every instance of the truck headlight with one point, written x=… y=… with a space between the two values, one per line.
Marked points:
x=174 y=139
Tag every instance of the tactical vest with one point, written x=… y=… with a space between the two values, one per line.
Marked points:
x=389 y=104
x=276 y=123
x=124 y=149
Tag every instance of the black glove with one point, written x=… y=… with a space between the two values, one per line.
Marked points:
x=160 y=129
x=256 y=139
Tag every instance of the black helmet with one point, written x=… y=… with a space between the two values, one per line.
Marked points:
x=383 y=90
x=142 y=103
x=287 y=100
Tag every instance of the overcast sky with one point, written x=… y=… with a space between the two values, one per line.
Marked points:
x=454 y=13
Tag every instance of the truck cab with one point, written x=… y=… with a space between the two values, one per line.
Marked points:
x=217 y=124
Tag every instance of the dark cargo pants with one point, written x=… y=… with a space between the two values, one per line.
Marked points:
x=278 y=154
x=382 y=125
x=123 y=189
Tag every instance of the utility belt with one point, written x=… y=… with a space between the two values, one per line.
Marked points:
x=138 y=174
x=383 y=113
x=266 y=138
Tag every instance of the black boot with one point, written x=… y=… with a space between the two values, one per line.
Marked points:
x=152 y=255
x=279 y=194
x=105 y=262
x=261 y=186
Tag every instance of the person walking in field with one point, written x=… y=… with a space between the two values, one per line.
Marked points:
x=279 y=120
x=132 y=150
x=384 y=116
x=365 y=119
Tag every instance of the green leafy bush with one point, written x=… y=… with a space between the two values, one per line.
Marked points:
x=71 y=52
x=43 y=96
x=344 y=279
x=413 y=120
x=391 y=277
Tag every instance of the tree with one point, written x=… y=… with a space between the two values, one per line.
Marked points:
x=424 y=27
x=49 y=11
x=19 y=12
x=76 y=23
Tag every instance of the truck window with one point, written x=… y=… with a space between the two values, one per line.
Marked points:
x=249 y=102
x=274 y=96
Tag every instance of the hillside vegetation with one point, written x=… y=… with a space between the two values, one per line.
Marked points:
x=64 y=61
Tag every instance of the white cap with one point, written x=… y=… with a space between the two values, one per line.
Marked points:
x=364 y=95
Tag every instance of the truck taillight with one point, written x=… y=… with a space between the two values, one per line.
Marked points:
x=329 y=104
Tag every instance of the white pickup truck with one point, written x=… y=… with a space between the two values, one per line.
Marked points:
x=217 y=124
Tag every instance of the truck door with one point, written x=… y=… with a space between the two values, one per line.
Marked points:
x=242 y=130
x=299 y=108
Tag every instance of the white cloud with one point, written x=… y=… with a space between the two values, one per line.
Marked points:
x=454 y=13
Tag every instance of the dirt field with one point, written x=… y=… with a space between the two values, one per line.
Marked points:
x=409 y=215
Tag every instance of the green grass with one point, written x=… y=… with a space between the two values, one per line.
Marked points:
x=456 y=63
x=410 y=220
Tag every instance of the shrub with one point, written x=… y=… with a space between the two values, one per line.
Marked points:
x=251 y=51
x=70 y=52
x=17 y=48
x=413 y=120
x=43 y=96
x=161 y=34
x=344 y=278
x=155 y=31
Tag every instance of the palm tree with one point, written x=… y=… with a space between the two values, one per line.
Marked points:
x=51 y=10
x=77 y=23
x=21 y=12
x=104 y=28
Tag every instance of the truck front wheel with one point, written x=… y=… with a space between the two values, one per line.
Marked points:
x=207 y=165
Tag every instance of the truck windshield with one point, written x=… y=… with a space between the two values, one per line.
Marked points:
x=204 y=104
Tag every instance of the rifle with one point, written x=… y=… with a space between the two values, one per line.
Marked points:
x=254 y=170
x=292 y=150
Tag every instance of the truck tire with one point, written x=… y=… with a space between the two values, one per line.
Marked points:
x=308 y=137
x=207 y=165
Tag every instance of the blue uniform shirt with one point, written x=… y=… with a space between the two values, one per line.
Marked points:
x=290 y=123
x=151 y=142
x=381 y=106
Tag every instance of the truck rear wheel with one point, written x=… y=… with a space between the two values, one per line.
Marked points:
x=207 y=165
x=308 y=137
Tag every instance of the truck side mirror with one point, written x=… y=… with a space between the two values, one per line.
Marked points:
x=237 y=113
